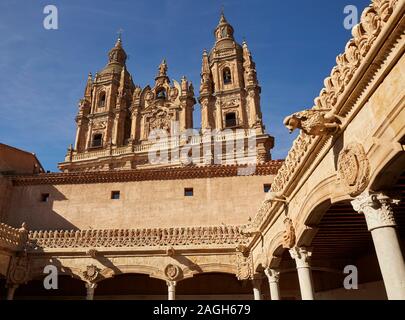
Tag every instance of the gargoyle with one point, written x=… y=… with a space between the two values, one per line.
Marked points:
x=314 y=122
x=275 y=197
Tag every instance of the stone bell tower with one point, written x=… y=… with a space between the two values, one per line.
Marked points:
x=103 y=119
x=229 y=90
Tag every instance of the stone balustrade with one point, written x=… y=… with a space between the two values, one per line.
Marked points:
x=12 y=238
x=183 y=236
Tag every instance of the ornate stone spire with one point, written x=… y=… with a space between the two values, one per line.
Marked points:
x=117 y=54
x=206 y=81
x=89 y=87
x=224 y=30
x=249 y=66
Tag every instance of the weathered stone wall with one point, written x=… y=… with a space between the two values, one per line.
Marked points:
x=229 y=200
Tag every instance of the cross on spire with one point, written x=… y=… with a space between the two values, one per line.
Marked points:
x=119 y=32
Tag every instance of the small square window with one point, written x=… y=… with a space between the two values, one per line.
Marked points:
x=188 y=192
x=115 y=195
x=267 y=188
x=45 y=197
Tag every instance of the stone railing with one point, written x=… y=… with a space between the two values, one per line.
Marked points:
x=185 y=236
x=166 y=144
x=343 y=76
x=11 y=238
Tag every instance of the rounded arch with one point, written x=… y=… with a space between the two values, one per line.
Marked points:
x=388 y=173
x=189 y=272
x=226 y=75
x=102 y=99
x=150 y=271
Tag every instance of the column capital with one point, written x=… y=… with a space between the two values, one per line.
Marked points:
x=377 y=209
x=171 y=283
x=272 y=275
x=90 y=285
x=302 y=256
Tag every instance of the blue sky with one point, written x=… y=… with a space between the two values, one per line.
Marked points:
x=43 y=72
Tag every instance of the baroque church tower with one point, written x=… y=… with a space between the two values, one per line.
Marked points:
x=229 y=91
x=116 y=117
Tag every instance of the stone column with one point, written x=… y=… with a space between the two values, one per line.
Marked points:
x=11 y=290
x=273 y=277
x=171 y=286
x=90 y=287
x=257 y=293
x=302 y=257
x=377 y=209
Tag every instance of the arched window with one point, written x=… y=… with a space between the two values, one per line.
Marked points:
x=101 y=100
x=97 y=140
x=226 y=73
x=230 y=120
x=161 y=94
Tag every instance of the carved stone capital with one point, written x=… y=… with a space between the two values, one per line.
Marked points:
x=171 y=284
x=377 y=209
x=272 y=275
x=302 y=256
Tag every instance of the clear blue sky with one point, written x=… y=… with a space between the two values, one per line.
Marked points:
x=43 y=72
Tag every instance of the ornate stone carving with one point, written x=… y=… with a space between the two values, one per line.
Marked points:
x=314 y=122
x=377 y=209
x=160 y=120
x=353 y=169
x=244 y=266
x=272 y=275
x=289 y=234
x=172 y=272
x=18 y=272
x=302 y=256
x=173 y=93
x=101 y=125
x=184 y=236
x=91 y=273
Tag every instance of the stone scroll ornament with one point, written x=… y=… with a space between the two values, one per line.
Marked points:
x=353 y=169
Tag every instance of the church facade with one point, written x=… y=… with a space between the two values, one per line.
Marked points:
x=196 y=225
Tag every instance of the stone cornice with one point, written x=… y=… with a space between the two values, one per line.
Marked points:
x=215 y=171
x=348 y=80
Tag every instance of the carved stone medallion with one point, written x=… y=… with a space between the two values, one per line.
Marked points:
x=172 y=272
x=91 y=273
x=354 y=169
